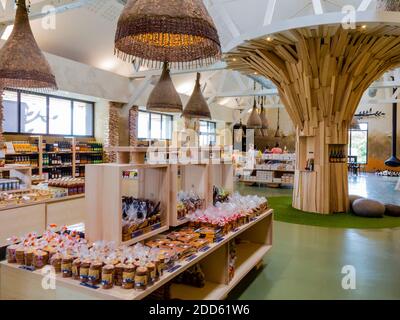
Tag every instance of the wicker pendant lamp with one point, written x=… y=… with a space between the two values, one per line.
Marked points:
x=254 y=121
x=278 y=133
x=197 y=106
x=264 y=119
x=388 y=5
x=22 y=63
x=355 y=124
x=164 y=97
x=180 y=32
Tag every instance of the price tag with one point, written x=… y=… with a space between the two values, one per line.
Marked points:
x=174 y=268
x=192 y=257
x=204 y=249
x=88 y=285
x=31 y=269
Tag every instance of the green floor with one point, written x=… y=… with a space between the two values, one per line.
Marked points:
x=306 y=261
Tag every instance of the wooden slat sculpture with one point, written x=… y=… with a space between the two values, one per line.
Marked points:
x=321 y=73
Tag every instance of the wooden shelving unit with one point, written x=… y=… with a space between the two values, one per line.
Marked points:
x=105 y=187
x=186 y=178
x=257 y=233
x=41 y=141
x=284 y=165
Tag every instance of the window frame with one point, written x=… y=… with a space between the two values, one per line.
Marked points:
x=150 y=113
x=48 y=97
x=367 y=146
x=208 y=133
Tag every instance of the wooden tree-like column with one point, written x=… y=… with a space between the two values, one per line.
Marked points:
x=321 y=74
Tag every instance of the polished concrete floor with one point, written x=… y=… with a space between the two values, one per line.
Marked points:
x=306 y=262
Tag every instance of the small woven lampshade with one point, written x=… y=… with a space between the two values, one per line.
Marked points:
x=355 y=124
x=164 y=97
x=264 y=120
x=197 y=106
x=254 y=121
x=178 y=31
x=388 y=5
x=22 y=63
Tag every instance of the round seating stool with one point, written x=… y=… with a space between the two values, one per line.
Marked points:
x=392 y=210
x=368 y=208
x=353 y=198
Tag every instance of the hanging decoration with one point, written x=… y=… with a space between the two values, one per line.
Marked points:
x=164 y=97
x=264 y=119
x=278 y=133
x=22 y=63
x=254 y=121
x=388 y=5
x=369 y=113
x=197 y=106
x=354 y=125
x=181 y=32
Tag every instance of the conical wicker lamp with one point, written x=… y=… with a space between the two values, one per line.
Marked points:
x=164 y=97
x=264 y=120
x=278 y=133
x=254 y=121
x=180 y=32
x=22 y=63
x=197 y=106
x=355 y=124
x=388 y=5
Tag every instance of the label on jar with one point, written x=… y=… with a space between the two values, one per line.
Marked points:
x=66 y=267
x=161 y=268
x=94 y=274
x=140 y=281
x=75 y=270
x=153 y=274
x=84 y=273
x=107 y=278
x=128 y=277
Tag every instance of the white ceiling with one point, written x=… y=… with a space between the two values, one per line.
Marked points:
x=86 y=34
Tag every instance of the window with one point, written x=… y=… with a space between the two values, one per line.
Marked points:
x=154 y=126
x=60 y=115
x=208 y=133
x=33 y=113
x=358 y=143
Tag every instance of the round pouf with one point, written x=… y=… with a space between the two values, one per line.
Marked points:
x=392 y=210
x=353 y=198
x=368 y=208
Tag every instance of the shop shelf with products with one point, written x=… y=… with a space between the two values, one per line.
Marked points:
x=126 y=203
x=272 y=169
x=189 y=183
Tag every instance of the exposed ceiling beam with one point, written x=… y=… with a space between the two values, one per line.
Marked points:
x=216 y=66
x=247 y=93
x=42 y=9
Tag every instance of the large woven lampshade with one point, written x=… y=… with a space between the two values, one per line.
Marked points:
x=180 y=32
x=388 y=5
x=254 y=121
x=197 y=106
x=22 y=63
x=164 y=97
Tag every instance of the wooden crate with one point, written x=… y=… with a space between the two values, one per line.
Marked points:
x=187 y=177
x=221 y=175
x=105 y=188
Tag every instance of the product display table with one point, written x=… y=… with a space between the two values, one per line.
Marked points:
x=256 y=241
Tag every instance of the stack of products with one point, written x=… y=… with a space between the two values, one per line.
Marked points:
x=288 y=178
x=219 y=195
x=267 y=176
x=227 y=216
x=9 y=184
x=58 y=146
x=24 y=197
x=25 y=147
x=187 y=203
x=73 y=186
x=139 y=216
x=89 y=147
x=388 y=173
x=102 y=263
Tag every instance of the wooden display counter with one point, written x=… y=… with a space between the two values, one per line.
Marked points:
x=35 y=216
x=256 y=242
